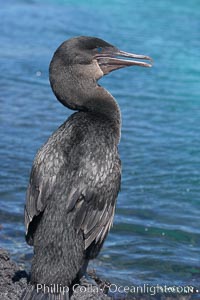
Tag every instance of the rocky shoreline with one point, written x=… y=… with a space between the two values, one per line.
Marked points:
x=13 y=280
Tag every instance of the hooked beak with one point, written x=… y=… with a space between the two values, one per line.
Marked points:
x=109 y=62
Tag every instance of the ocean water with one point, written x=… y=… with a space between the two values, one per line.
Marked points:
x=156 y=234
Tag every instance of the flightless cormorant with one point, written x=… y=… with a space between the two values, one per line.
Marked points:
x=75 y=178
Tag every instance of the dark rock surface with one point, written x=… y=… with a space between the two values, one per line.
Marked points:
x=13 y=281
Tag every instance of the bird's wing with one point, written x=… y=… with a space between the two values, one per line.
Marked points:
x=93 y=221
x=94 y=206
x=49 y=160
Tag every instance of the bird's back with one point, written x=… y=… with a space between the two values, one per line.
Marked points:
x=71 y=197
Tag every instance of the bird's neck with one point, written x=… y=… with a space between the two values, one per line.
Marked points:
x=86 y=95
x=101 y=102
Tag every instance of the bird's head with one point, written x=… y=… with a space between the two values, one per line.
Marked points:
x=79 y=62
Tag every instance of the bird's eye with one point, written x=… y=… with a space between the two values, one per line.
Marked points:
x=99 y=49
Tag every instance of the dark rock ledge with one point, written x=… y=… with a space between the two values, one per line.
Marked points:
x=13 y=280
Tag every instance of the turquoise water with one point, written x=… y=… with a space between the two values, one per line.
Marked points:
x=156 y=234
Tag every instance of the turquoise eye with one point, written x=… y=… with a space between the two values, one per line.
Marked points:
x=99 y=49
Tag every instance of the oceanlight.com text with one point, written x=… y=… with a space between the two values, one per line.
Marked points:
x=152 y=290
x=114 y=288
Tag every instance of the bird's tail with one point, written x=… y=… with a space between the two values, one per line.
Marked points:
x=39 y=293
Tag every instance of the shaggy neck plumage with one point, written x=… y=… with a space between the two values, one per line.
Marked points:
x=75 y=88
